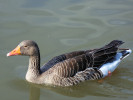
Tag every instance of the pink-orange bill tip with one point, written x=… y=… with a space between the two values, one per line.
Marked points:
x=14 y=52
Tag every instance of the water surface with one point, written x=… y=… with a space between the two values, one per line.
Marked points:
x=60 y=26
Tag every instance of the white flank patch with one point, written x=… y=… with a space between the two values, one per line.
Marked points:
x=112 y=65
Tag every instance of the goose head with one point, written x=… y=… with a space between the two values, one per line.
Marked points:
x=27 y=48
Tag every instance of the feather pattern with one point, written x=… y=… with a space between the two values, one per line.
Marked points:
x=75 y=67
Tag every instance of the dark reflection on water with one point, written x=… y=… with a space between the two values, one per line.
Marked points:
x=34 y=93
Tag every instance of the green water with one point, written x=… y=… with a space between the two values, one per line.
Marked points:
x=60 y=26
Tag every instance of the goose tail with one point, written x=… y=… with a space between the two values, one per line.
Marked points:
x=125 y=53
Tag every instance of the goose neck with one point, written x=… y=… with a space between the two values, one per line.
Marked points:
x=33 y=69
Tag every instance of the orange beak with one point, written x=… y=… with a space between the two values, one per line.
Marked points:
x=14 y=52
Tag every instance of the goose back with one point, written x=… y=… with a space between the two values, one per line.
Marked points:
x=105 y=53
x=74 y=67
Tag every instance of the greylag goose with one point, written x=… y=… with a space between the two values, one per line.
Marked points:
x=71 y=68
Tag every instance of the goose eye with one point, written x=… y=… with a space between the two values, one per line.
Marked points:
x=25 y=46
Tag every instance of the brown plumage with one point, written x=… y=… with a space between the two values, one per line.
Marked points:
x=66 y=69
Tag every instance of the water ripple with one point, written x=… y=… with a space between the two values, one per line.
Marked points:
x=105 y=12
x=119 y=22
x=71 y=42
